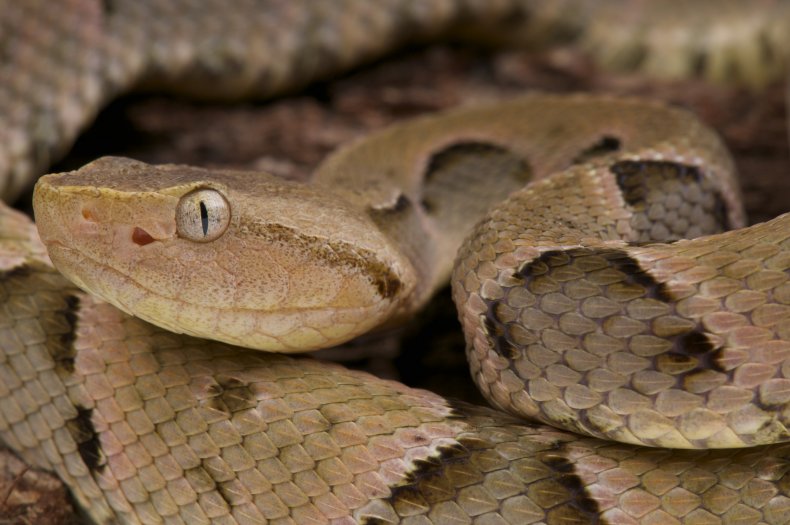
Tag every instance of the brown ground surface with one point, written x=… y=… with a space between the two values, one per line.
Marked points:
x=289 y=136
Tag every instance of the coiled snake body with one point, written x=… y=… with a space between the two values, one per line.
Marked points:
x=581 y=305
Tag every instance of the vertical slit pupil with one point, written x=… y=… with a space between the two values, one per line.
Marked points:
x=204 y=217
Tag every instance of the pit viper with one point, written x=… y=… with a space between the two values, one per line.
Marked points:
x=581 y=304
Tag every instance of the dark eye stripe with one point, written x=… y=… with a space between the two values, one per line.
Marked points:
x=204 y=217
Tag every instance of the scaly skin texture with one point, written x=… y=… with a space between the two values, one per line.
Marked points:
x=678 y=345
x=147 y=426
x=569 y=319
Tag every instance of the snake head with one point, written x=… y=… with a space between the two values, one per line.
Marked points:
x=248 y=259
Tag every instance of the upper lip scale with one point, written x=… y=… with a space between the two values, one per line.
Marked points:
x=235 y=308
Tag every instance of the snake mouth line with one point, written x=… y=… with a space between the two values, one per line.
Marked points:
x=137 y=284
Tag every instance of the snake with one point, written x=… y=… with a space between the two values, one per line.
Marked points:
x=630 y=332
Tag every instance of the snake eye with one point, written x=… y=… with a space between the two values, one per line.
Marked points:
x=202 y=215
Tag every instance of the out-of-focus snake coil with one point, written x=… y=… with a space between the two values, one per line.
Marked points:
x=660 y=362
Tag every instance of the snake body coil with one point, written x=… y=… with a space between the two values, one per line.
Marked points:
x=581 y=304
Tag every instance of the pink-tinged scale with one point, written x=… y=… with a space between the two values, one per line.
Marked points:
x=392 y=471
x=770 y=314
x=349 y=494
x=772 y=352
x=775 y=392
x=719 y=499
x=673 y=403
x=138 y=455
x=638 y=502
x=750 y=375
x=759 y=492
x=118 y=501
x=501 y=485
x=765 y=280
x=319 y=446
x=334 y=472
x=330 y=506
x=749 y=337
x=271 y=506
x=723 y=322
x=725 y=399
x=742 y=269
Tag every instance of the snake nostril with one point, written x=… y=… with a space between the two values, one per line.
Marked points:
x=87 y=214
x=141 y=237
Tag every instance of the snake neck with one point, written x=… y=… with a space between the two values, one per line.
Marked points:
x=425 y=200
